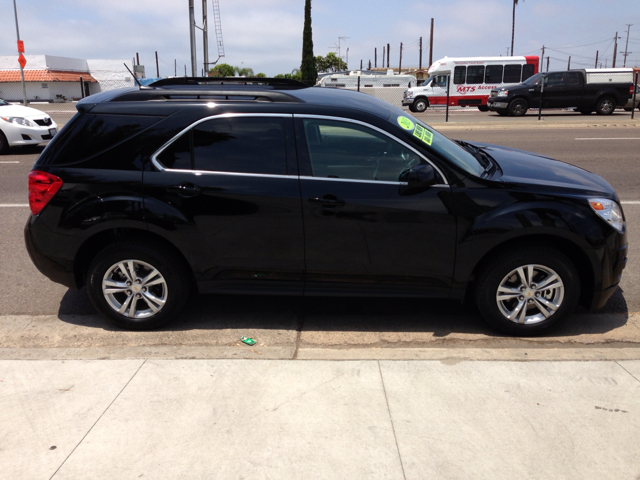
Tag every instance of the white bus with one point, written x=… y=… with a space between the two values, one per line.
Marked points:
x=473 y=78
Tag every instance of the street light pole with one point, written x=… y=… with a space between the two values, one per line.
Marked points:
x=24 y=88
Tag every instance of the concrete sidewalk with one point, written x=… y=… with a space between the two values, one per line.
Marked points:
x=235 y=419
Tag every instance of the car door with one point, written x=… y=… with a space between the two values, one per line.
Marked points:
x=555 y=91
x=224 y=193
x=361 y=231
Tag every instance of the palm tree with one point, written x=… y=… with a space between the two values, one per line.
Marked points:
x=513 y=24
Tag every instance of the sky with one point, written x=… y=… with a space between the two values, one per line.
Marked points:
x=267 y=35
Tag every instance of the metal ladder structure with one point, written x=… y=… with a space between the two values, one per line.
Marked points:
x=218 y=24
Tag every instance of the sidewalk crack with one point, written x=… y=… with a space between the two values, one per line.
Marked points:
x=635 y=378
x=393 y=428
x=96 y=422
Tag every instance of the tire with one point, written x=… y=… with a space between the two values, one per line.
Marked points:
x=518 y=107
x=4 y=144
x=605 y=106
x=483 y=108
x=412 y=108
x=502 y=113
x=146 y=304
x=585 y=112
x=420 y=105
x=521 y=271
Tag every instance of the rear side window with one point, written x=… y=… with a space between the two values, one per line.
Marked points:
x=92 y=134
x=475 y=75
x=512 y=73
x=493 y=74
x=527 y=71
x=234 y=144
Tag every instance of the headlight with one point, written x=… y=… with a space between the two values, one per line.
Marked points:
x=408 y=94
x=503 y=93
x=609 y=211
x=18 y=120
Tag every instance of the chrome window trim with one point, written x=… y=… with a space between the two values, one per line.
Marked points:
x=162 y=168
x=353 y=180
x=379 y=130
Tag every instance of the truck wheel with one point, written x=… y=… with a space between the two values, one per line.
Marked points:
x=420 y=105
x=412 y=108
x=585 y=112
x=518 y=107
x=502 y=112
x=483 y=108
x=605 y=106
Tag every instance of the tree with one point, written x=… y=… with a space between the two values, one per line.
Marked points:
x=261 y=75
x=294 y=75
x=222 y=70
x=330 y=63
x=513 y=24
x=308 y=68
x=244 y=71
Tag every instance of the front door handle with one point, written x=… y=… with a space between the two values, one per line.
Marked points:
x=185 y=189
x=327 y=201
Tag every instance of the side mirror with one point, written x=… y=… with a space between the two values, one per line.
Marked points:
x=418 y=178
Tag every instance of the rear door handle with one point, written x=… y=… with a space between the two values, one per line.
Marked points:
x=185 y=189
x=327 y=201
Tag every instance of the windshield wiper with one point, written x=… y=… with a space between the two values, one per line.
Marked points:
x=483 y=157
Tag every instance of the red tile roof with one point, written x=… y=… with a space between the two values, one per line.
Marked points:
x=45 y=76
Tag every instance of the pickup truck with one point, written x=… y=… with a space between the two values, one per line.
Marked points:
x=588 y=90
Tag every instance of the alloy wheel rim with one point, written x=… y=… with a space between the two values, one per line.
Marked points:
x=530 y=294
x=135 y=289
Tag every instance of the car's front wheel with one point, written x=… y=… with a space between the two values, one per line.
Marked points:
x=420 y=105
x=525 y=291
x=4 y=144
x=518 y=107
x=138 y=286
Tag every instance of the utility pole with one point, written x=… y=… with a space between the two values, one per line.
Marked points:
x=569 y=64
x=388 y=49
x=383 y=54
x=21 y=58
x=624 y=63
x=400 y=63
x=205 y=36
x=596 y=66
x=547 y=64
x=420 y=61
x=615 y=50
x=375 y=58
x=431 y=45
x=157 y=66
x=542 y=59
x=192 y=36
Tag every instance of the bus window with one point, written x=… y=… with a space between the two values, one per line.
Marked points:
x=475 y=75
x=459 y=74
x=493 y=74
x=512 y=73
x=527 y=71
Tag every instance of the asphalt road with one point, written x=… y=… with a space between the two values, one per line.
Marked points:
x=68 y=316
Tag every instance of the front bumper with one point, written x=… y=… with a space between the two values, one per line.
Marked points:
x=407 y=101
x=497 y=103
x=18 y=135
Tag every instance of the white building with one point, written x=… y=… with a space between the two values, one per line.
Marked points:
x=58 y=79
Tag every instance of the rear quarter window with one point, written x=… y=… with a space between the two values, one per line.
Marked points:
x=89 y=135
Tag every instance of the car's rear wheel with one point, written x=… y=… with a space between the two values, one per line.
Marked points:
x=4 y=144
x=420 y=105
x=585 y=112
x=137 y=286
x=526 y=291
x=518 y=107
x=605 y=106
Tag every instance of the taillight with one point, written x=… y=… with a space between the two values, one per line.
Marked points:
x=631 y=90
x=42 y=187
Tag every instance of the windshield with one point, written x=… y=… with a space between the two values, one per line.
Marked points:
x=533 y=80
x=439 y=143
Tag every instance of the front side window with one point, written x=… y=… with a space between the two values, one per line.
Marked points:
x=475 y=74
x=351 y=151
x=459 y=75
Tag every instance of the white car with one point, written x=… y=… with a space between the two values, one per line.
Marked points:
x=20 y=125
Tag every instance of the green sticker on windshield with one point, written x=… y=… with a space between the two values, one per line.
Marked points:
x=423 y=134
x=405 y=123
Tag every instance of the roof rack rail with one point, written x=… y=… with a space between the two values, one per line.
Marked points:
x=277 y=83
x=207 y=94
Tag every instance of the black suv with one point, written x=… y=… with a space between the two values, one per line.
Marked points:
x=269 y=186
